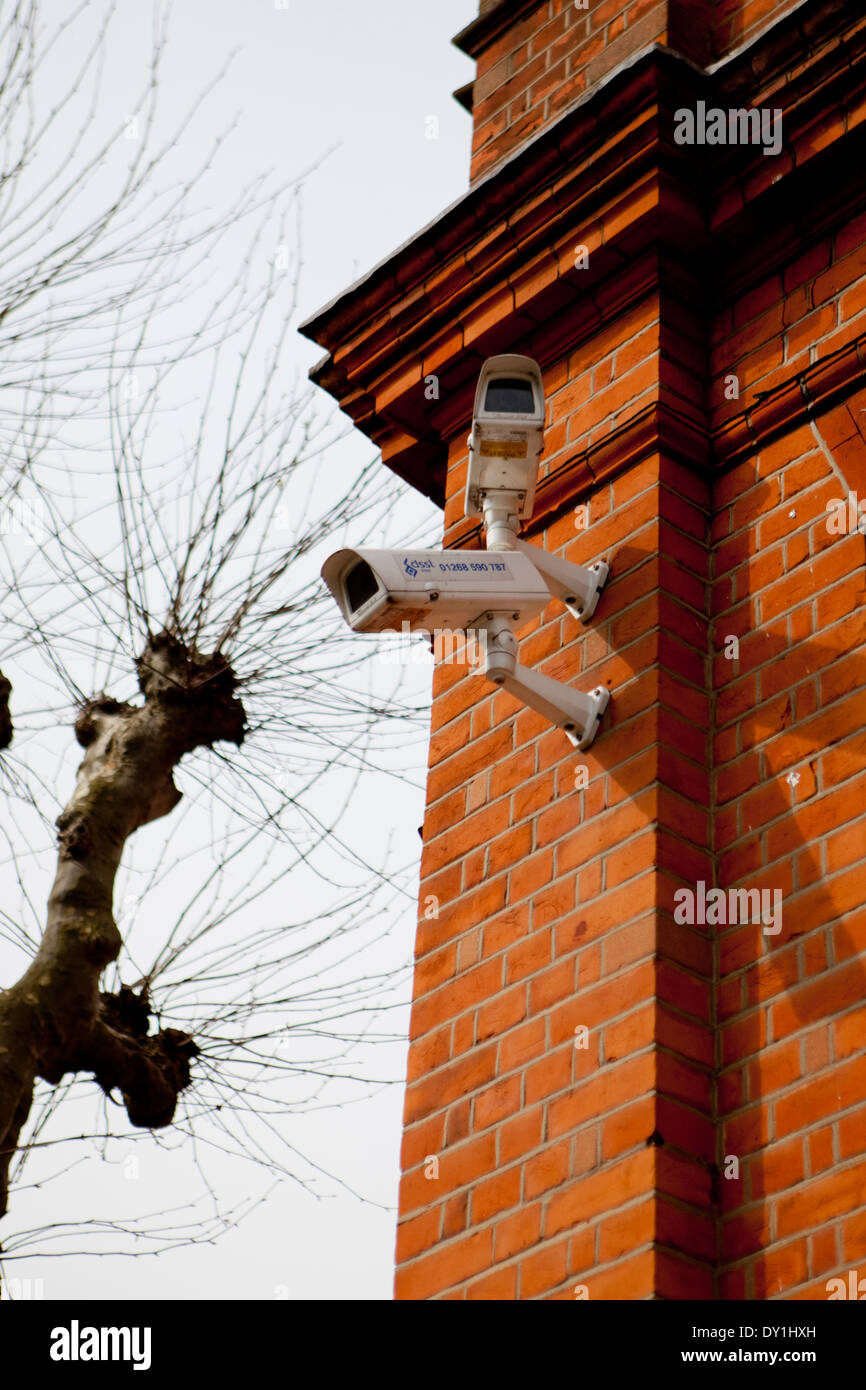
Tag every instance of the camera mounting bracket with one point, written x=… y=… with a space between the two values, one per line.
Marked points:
x=578 y=715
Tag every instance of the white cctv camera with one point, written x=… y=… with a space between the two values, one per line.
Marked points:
x=405 y=590
x=478 y=590
x=492 y=590
x=505 y=445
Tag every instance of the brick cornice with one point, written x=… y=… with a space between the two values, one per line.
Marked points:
x=474 y=37
x=808 y=393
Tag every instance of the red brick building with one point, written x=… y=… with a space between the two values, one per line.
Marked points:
x=699 y=314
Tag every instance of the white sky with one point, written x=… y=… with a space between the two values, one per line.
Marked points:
x=359 y=80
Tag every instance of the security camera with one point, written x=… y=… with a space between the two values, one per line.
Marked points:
x=406 y=590
x=486 y=592
x=490 y=591
x=505 y=445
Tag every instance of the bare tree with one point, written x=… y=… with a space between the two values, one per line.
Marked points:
x=159 y=595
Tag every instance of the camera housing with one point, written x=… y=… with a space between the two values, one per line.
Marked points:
x=492 y=590
x=507 y=436
x=381 y=590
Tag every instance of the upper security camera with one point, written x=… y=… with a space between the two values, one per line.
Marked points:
x=405 y=590
x=507 y=438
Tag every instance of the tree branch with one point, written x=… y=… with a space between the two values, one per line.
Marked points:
x=149 y=1070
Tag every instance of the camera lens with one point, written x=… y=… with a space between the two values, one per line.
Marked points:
x=361 y=585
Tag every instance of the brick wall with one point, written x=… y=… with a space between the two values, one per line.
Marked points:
x=790 y=754
x=789 y=757
x=608 y=1166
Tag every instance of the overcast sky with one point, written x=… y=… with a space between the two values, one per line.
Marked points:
x=349 y=87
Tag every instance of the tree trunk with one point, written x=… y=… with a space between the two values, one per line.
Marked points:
x=55 y=1019
x=5 y=717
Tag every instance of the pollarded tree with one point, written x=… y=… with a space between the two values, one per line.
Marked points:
x=160 y=597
